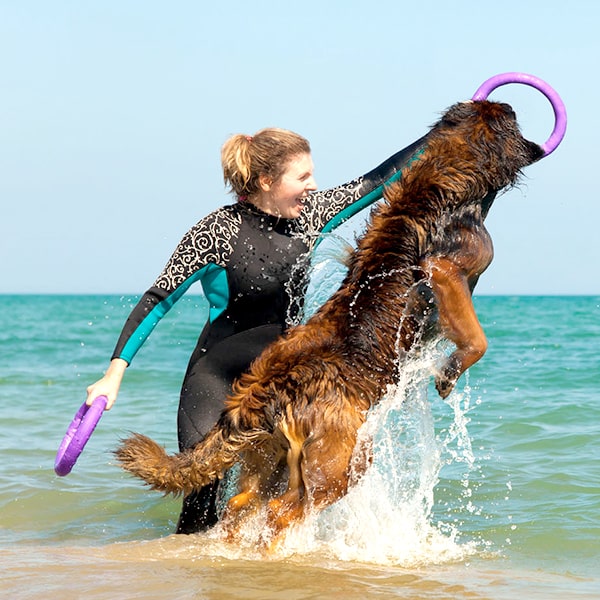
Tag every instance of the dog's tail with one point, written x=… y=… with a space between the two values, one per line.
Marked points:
x=183 y=472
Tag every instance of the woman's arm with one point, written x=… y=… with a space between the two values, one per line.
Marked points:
x=200 y=252
x=330 y=208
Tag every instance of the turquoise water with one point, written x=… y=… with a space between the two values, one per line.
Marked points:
x=494 y=493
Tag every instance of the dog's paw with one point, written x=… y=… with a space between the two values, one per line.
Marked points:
x=446 y=379
x=444 y=385
x=447 y=376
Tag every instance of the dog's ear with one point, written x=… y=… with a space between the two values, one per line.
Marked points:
x=456 y=114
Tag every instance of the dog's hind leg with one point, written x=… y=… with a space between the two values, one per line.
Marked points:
x=289 y=506
x=319 y=474
x=261 y=472
x=327 y=474
x=458 y=320
x=240 y=507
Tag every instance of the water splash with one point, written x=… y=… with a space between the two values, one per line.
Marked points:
x=387 y=516
x=326 y=272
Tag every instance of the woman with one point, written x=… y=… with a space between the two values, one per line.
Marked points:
x=251 y=258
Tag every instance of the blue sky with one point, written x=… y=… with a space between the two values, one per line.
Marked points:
x=112 y=115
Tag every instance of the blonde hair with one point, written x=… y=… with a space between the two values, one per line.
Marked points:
x=245 y=158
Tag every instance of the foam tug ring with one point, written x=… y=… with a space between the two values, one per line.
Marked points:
x=560 y=113
x=81 y=428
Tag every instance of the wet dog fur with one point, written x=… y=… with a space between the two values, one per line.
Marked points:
x=292 y=420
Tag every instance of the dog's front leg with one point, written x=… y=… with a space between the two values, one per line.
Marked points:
x=458 y=320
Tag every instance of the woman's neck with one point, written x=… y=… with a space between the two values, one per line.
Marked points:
x=264 y=203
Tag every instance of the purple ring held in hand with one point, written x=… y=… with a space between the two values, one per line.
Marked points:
x=81 y=428
x=560 y=112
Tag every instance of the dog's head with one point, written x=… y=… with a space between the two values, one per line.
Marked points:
x=493 y=138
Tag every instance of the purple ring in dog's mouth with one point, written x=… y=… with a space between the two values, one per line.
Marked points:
x=560 y=112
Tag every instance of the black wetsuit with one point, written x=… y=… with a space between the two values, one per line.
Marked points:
x=250 y=265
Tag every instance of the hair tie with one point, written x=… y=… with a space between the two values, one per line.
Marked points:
x=249 y=138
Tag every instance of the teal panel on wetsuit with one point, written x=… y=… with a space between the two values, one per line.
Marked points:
x=216 y=290
x=214 y=283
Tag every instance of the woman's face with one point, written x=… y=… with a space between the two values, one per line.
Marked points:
x=285 y=197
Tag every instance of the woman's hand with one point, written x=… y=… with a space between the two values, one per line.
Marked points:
x=109 y=384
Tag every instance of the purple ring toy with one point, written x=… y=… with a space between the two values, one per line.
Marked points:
x=560 y=112
x=81 y=428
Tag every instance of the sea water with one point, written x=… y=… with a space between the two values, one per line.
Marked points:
x=491 y=493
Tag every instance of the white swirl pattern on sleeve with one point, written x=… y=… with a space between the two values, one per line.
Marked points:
x=323 y=206
x=209 y=241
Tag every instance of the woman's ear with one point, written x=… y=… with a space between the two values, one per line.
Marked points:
x=265 y=183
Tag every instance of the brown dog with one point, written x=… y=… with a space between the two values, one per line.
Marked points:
x=292 y=421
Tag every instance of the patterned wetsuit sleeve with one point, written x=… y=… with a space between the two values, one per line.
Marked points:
x=201 y=255
x=330 y=208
